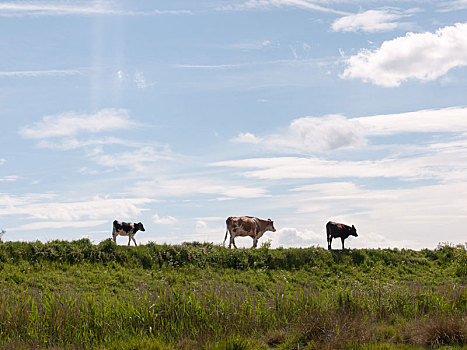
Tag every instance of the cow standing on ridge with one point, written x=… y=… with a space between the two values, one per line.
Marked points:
x=334 y=230
x=247 y=226
x=126 y=229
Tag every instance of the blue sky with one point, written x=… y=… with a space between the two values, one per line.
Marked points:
x=179 y=114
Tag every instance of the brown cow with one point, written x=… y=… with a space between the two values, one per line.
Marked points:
x=334 y=230
x=247 y=226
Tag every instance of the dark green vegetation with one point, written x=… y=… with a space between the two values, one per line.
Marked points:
x=67 y=295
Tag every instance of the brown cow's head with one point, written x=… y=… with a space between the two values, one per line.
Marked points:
x=353 y=231
x=270 y=226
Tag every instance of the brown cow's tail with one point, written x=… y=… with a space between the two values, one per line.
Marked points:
x=229 y=220
x=227 y=229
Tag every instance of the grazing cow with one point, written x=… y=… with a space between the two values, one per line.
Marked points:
x=247 y=226
x=126 y=229
x=334 y=230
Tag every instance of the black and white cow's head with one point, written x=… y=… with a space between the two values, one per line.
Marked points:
x=139 y=227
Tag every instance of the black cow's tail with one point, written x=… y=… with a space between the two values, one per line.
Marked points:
x=328 y=234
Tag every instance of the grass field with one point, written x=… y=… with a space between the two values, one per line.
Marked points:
x=67 y=295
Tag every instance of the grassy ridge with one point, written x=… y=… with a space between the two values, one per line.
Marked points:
x=78 y=295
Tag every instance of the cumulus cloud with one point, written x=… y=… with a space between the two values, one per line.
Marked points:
x=309 y=135
x=369 y=21
x=422 y=56
x=71 y=123
x=164 y=220
x=289 y=237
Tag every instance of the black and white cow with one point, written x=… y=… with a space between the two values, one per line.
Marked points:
x=126 y=229
x=335 y=230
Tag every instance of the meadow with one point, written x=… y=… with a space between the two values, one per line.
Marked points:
x=77 y=295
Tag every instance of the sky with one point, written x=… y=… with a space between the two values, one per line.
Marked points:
x=179 y=114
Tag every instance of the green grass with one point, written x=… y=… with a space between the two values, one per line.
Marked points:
x=75 y=295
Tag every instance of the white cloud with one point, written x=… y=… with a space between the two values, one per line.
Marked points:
x=165 y=220
x=87 y=8
x=163 y=187
x=453 y=5
x=74 y=143
x=389 y=217
x=369 y=21
x=289 y=237
x=445 y=120
x=40 y=225
x=71 y=123
x=423 y=56
x=264 y=4
x=140 y=80
x=279 y=168
x=2 y=161
x=46 y=207
x=9 y=178
x=309 y=135
x=246 y=138
x=138 y=160
x=39 y=73
x=332 y=132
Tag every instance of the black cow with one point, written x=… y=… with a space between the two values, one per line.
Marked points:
x=334 y=230
x=126 y=229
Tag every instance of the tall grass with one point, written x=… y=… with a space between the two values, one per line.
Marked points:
x=213 y=312
x=204 y=296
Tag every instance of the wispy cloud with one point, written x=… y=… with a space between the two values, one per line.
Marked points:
x=422 y=56
x=71 y=123
x=9 y=178
x=40 y=73
x=280 y=168
x=46 y=207
x=221 y=190
x=310 y=135
x=265 y=4
x=79 y=8
x=370 y=21
x=139 y=160
x=449 y=6
x=40 y=225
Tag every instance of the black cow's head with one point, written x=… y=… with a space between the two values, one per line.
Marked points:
x=353 y=231
x=139 y=226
